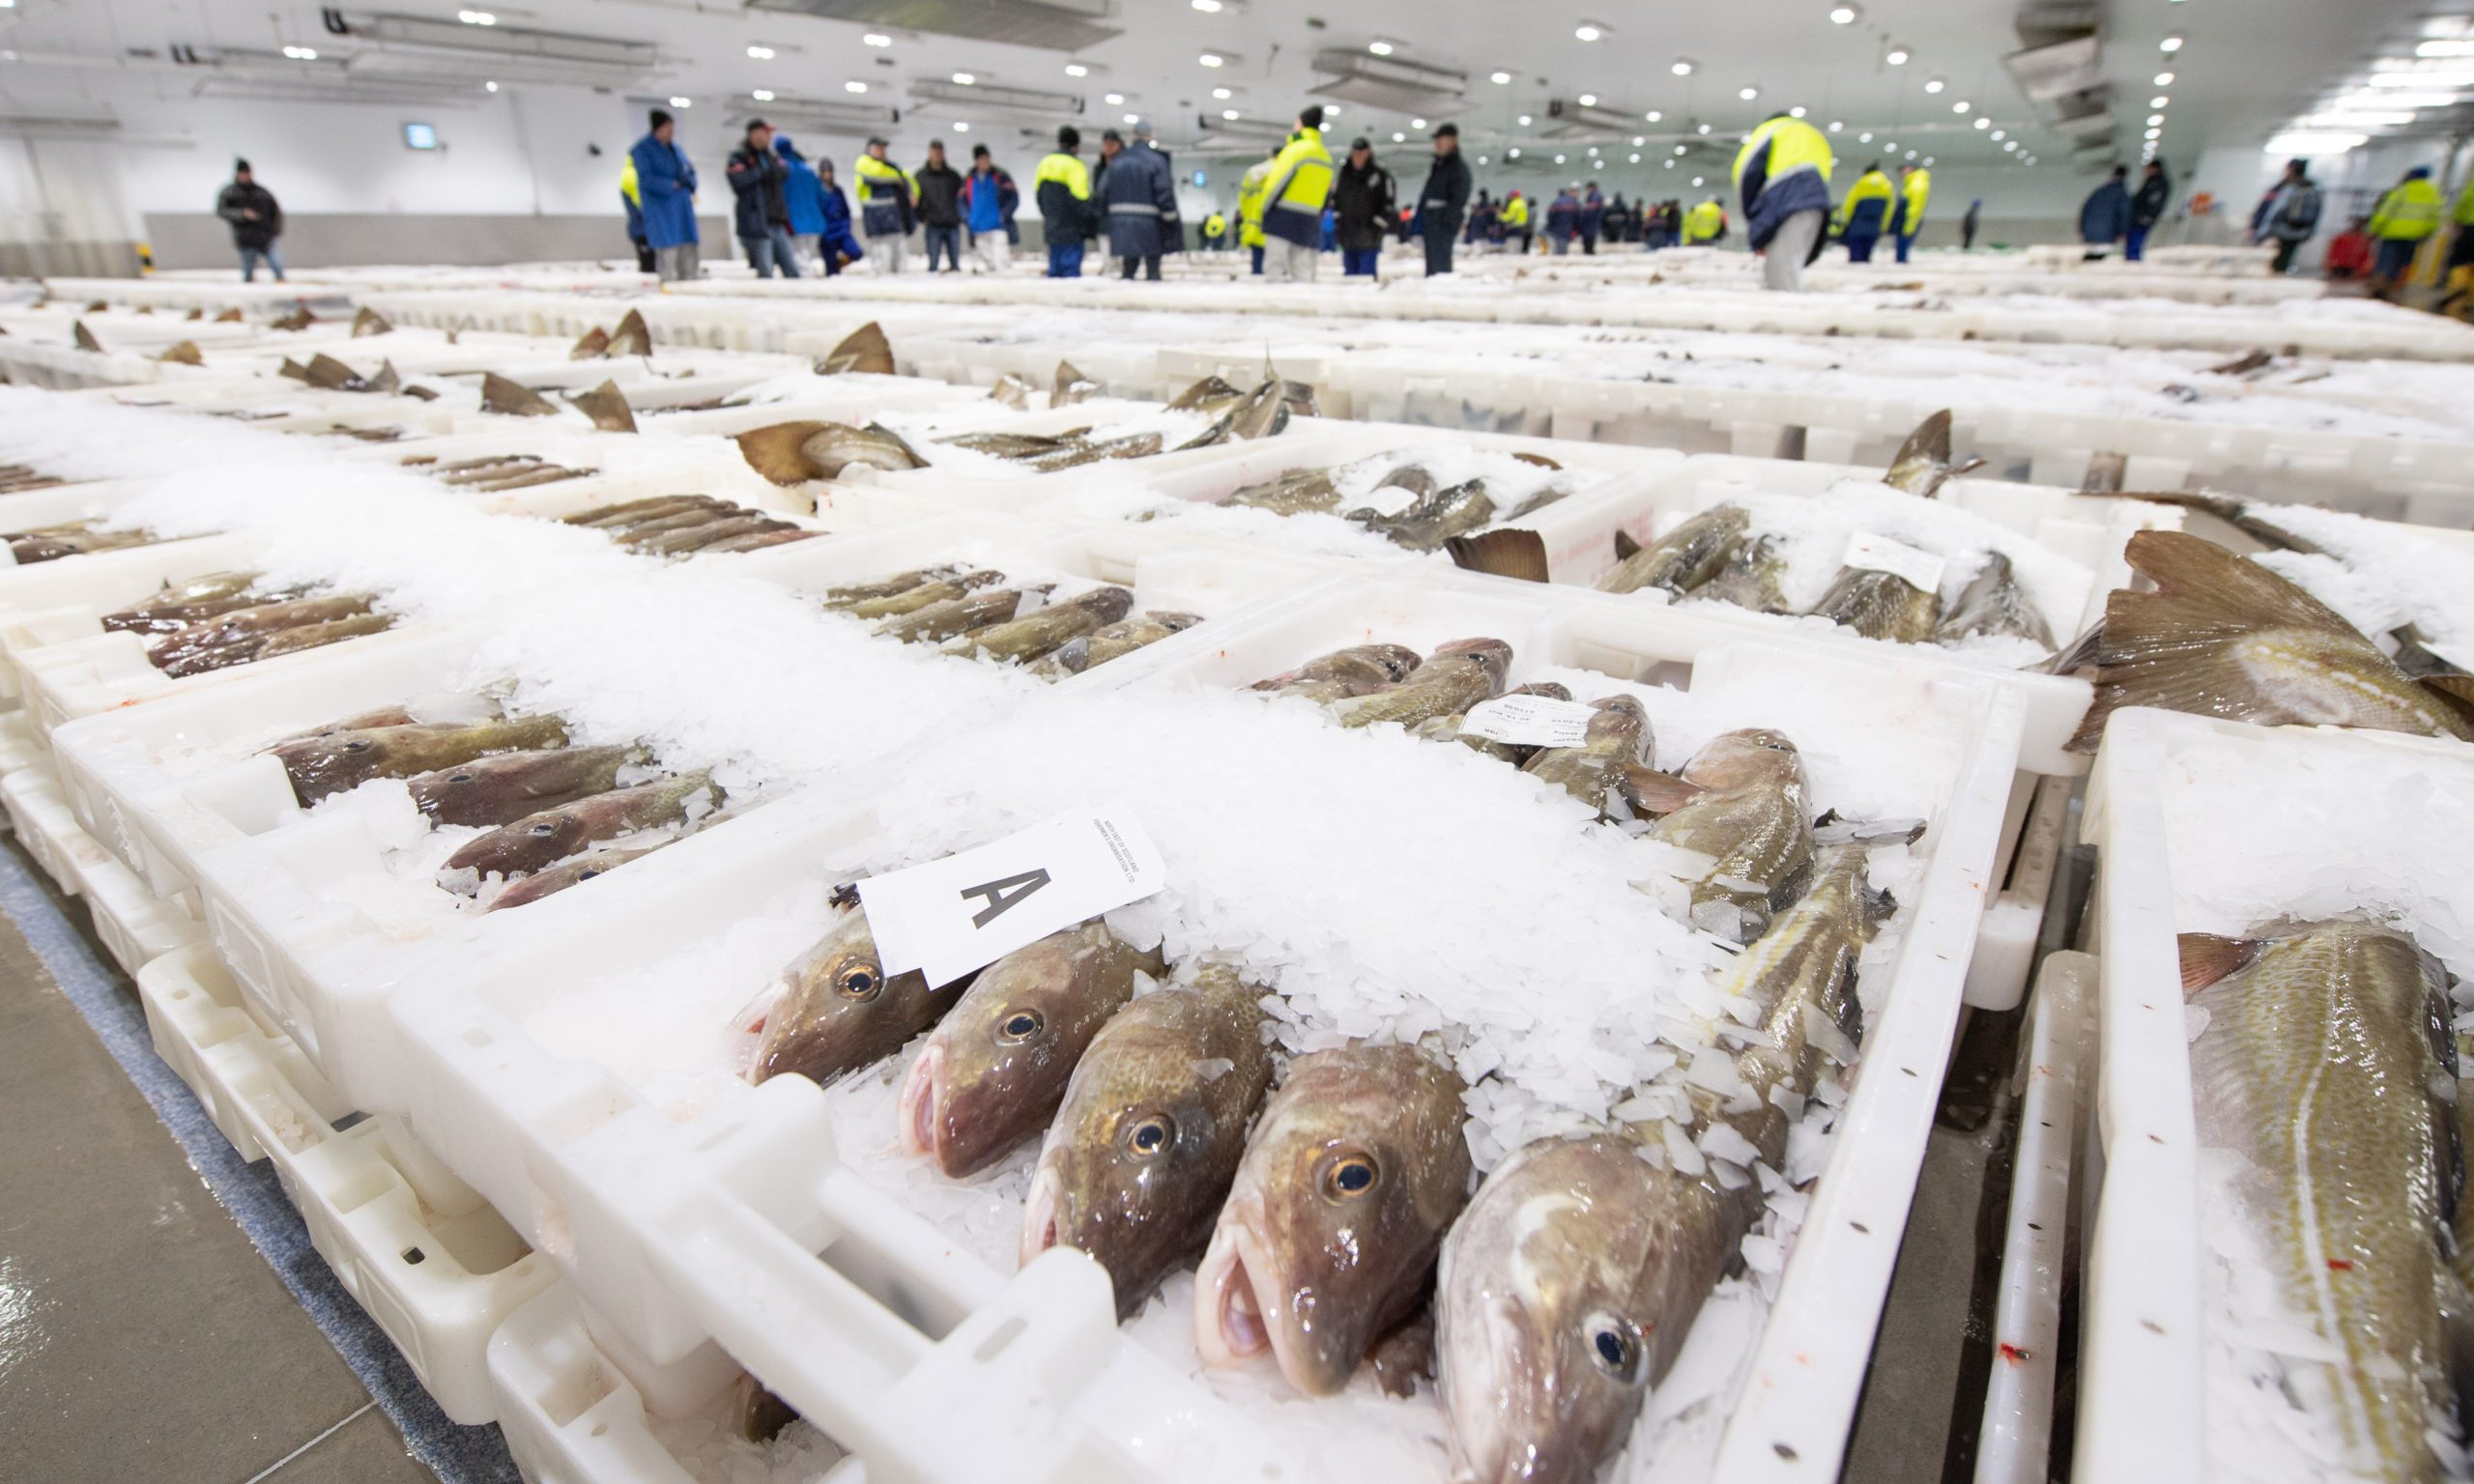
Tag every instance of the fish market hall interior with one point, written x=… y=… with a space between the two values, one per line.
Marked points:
x=1236 y=741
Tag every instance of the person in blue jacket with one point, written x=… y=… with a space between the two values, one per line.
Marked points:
x=2105 y=217
x=666 y=184
x=988 y=202
x=1593 y=219
x=837 y=245
x=1140 y=201
x=804 y=197
x=1564 y=220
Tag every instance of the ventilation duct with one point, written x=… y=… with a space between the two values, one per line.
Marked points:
x=1573 y=123
x=980 y=97
x=2061 y=69
x=2045 y=22
x=814 y=115
x=2058 y=70
x=1386 y=82
x=231 y=73
x=1051 y=25
x=1246 y=137
x=412 y=46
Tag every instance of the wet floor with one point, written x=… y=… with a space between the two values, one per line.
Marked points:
x=142 y=1336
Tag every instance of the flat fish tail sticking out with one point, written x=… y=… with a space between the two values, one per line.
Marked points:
x=1923 y=464
x=2226 y=636
x=1521 y=555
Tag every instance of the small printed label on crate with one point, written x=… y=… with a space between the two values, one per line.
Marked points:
x=1920 y=569
x=964 y=912
x=1530 y=721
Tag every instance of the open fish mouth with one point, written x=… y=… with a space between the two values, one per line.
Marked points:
x=1038 y=1215
x=1234 y=1324
x=922 y=1099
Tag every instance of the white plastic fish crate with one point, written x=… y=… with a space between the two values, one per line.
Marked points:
x=321 y=970
x=423 y=1254
x=46 y=827
x=50 y=602
x=2143 y=1396
x=696 y=1223
x=2056 y=1087
x=136 y=927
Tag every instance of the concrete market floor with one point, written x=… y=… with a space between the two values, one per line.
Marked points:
x=143 y=1335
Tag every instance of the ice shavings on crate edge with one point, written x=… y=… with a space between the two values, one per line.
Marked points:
x=711 y=666
x=2256 y=835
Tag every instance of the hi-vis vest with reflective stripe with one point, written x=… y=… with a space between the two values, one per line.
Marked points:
x=2407 y=214
x=1918 y=187
x=1301 y=183
x=1871 y=185
x=1794 y=145
x=1516 y=212
x=1703 y=221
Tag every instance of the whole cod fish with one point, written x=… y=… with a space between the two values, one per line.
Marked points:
x=333 y=762
x=1149 y=1137
x=1681 y=559
x=838 y=1011
x=1456 y=676
x=1742 y=802
x=541 y=840
x=1569 y=1286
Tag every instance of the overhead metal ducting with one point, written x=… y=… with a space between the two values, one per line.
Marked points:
x=245 y=74
x=2062 y=69
x=795 y=113
x=2058 y=71
x=1051 y=25
x=1587 y=123
x=1248 y=137
x=1386 y=82
x=982 y=98
x=414 y=46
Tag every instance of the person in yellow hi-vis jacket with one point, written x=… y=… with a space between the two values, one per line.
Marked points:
x=887 y=207
x=1062 y=189
x=1915 y=188
x=1782 y=180
x=632 y=197
x=2460 y=252
x=1516 y=217
x=1866 y=210
x=2410 y=212
x=1705 y=224
x=1250 y=207
x=1293 y=202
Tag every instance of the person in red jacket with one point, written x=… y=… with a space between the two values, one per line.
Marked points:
x=2350 y=253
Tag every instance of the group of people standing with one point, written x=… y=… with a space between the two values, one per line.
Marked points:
x=787 y=212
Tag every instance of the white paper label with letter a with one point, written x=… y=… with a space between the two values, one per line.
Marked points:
x=964 y=912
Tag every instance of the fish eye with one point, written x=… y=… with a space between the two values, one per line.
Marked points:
x=587 y=875
x=1349 y=1174
x=859 y=981
x=357 y=745
x=459 y=778
x=542 y=829
x=1018 y=1027
x=1614 y=1346
x=1150 y=1135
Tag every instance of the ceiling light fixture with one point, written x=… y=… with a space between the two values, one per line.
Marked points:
x=1684 y=67
x=1524 y=121
x=1134 y=118
x=477 y=17
x=682 y=102
x=1981 y=122
x=1679 y=149
x=1211 y=59
x=1379 y=49
x=1220 y=93
x=1796 y=112
x=964 y=79
x=295 y=53
x=1500 y=79
x=1866 y=137
x=1897 y=55
x=1747 y=94
x=490 y=86
x=1589 y=31
x=1835 y=125
x=2171 y=44
x=1559 y=159
x=1934 y=85
x=961 y=128
x=1513 y=152
x=2164 y=79
x=2156 y=118
x=1705 y=129
x=1208 y=7
x=1397 y=136
x=1076 y=69
x=1998 y=134
x=763 y=94
x=1961 y=107
x=1589 y=100
x=2158 y=101
x=1413 y=123
x=1113 y=98
x=2314 y=142
x=1636 y=159
x=1640 y=139
x=854 y=85
x=1844 y=14
x=1230 y=114
x=1653 y=115
x=760 y=53
x=878 y=39
x=2155 y=134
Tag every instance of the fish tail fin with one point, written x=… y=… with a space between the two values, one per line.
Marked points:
x=2173 y=647
x=2207 y=959
x=1835 y=829
x=1514 y=553
x=1923 y=461
x=2455 y=691
x=1625 y=546
x=607 y=406
x=774 y=451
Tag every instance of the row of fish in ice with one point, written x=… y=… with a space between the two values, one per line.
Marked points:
x=18 y=478
x=1424 y=516
x=72 y=538
x=1327 y=1211
x=973 y=612
x=552 y=815
x=684 y=524
x=495 y=473
x=2328 y=1070
x=791 y=453
x=222 y=620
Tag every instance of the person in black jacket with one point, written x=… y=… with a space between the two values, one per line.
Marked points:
x=940 y=208
x=1444 y=199
x=1362 y=196
x=256 y=221
x=761 y=217
x=2146 y=209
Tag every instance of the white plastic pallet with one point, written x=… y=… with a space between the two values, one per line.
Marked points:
x=428 y=1260
x=2015 y=1445
x=40 y=815
x=685 y=1232
x=136 y=927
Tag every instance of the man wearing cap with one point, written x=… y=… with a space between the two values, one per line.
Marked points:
x=1062 y=187
x=666 y=185
x=256 y=221
x=1293 y=200
x=1363 y=196
x=1139 y=200
x=987 y=204
x=886 y=212
x=758 y=177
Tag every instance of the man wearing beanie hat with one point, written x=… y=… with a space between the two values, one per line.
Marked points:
x=256 y=221
x=1301 y=183
x=666 y=190
x=1362 y=197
